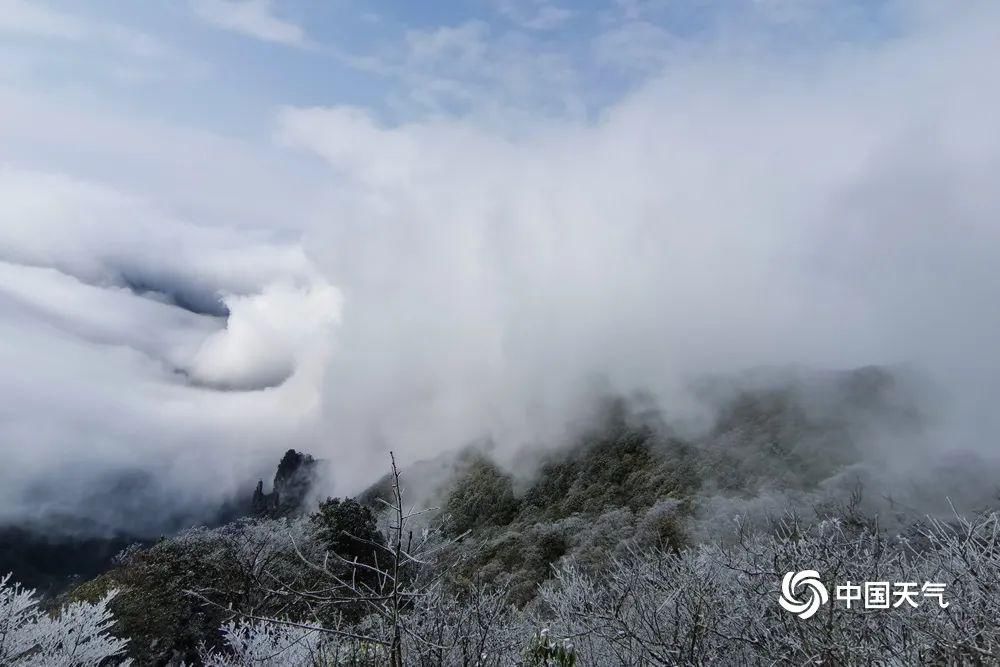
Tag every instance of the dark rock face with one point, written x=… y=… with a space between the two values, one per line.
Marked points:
x=295 y=476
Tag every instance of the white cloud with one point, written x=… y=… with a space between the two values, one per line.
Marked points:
x=253 y=18
x=464 y=45
x=441 y=279
x=734 y=213
x=534 y=14
x=112 y=315
x=200 y=174
x=35 y=19
x=472 y=69
x=48 y=45
x=635 y=47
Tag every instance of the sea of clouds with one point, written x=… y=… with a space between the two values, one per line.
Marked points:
x=428 y=283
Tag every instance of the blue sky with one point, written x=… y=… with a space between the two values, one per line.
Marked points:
x=182 y=77
x=226 y=64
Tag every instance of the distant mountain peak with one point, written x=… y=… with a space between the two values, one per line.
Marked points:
x=293 y=480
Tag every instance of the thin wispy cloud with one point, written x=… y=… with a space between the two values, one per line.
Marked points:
x=535 y=14
x=252 y=18
x=35 y=19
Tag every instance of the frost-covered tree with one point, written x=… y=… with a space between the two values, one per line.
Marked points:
x=715 y=603
x=621 y=587
x=176 y=593
x=718 y=605
x=288 y=644
x=77 y=636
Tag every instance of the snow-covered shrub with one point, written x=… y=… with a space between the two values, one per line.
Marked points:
x=176 y=593
x=284 y=644
x=477 y=627
x=547 y=652
x=718 y=604
x=75 y=637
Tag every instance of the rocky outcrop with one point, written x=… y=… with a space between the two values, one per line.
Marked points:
x=292 y=482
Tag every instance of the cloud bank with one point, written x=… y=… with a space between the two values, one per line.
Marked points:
x=736 y=212
x=448 y=280
x=136 y=344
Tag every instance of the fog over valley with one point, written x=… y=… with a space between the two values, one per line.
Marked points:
x=181 y=302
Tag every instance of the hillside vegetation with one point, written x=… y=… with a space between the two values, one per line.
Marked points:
x=622 y=520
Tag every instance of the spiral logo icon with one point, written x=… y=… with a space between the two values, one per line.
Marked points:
x=817 y=593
